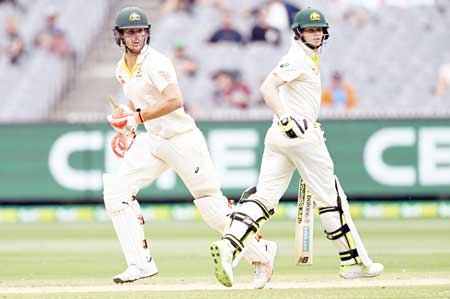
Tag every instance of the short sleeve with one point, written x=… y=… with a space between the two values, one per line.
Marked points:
x=288 y=69
x=161 y=72
x=118 y=76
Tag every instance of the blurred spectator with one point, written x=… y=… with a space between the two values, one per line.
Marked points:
x=184 y=63
x=339 y=93
x=220 y=4
x=226 y=33
x=171 y=6
x=53 y=38
x=188 y=6
x=230 y=91
x=14 y=48
x=261 y=31
x=280 y=14
x=442 y=6
x=14 y=3
x=356 y=15
x=443 y=82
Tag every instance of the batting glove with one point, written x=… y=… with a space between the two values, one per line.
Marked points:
x=123 y=123
x=290 y=126
x=121 y=143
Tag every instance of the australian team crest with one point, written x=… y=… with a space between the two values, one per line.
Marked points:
x=314 y=16
x=135 y=17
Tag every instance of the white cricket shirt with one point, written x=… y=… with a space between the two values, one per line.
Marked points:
x=153 y=70
x=301 y=95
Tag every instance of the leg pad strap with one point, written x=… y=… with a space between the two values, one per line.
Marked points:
x=348 y=255
x=237 y=244
x=340 y=232
x=328 y=209
x=252 y=225
x=267 y=213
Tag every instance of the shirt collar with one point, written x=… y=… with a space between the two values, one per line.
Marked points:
x=142 y=54
x=139 y=60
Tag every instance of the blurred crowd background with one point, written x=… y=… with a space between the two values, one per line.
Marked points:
x=384 y=58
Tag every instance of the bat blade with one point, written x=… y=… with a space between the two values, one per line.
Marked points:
x=304 y=227
x=115 y=105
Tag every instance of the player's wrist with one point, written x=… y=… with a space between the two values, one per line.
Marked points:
x=139 y=117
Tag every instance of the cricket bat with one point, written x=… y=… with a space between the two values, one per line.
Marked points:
x=304 y=226
x=115 y=105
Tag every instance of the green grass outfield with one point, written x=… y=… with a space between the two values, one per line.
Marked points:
x=79 y=261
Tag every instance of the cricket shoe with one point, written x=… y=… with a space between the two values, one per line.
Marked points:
x=264 y=271
x=133 y=273
x=360 y=270
x=222 y=255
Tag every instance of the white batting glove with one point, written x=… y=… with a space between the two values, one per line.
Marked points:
x=124 y=124
x=290 y=126
x=121 y=143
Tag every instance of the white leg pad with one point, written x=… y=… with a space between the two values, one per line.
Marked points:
x=137 y=210
x=117 y=195
x=362 y=252
x=215 y=211
x=331 y=221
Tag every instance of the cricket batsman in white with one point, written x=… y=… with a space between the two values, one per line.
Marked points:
x=295 y=142
x=172 y=141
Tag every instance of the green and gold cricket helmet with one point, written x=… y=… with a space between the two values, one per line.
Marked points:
x=128 y=18
x=310 y=18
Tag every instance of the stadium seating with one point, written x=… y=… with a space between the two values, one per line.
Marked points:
x=391 y=59
x=39 y=82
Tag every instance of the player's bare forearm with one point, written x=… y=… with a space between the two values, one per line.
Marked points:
x=168 y=101
x=161 y=108
x=269 y=92
x=131 y=105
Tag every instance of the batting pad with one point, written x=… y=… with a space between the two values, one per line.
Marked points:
x=117 y=195
x=339 y=228
x=245 y=222
x=215 y=212
x=357 y=240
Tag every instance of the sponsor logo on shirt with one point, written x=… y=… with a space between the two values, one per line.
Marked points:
x=138 y=72
x=165 y=75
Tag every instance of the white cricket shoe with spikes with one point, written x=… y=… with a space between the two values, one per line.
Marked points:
x=264 y=271
x=222 y=255
x=361 y=271
x=133 y=273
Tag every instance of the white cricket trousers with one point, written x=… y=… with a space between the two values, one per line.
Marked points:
x=310 y=156
x=186 y=153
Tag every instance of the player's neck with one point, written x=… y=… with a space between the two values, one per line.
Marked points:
x=130 y=59
x=311 y=52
